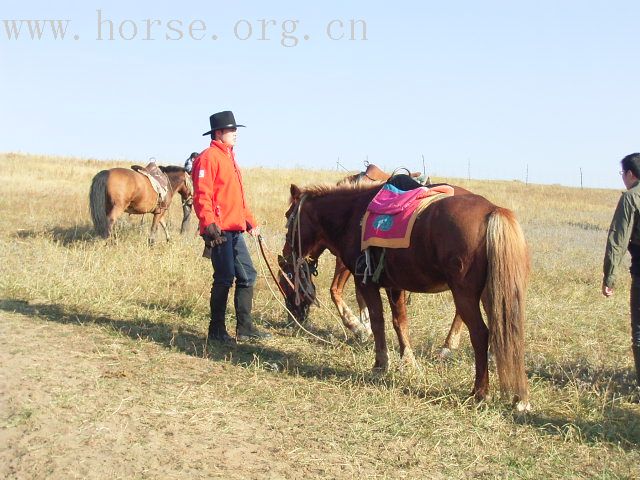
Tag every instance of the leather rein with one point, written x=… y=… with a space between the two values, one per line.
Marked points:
x=303 y=268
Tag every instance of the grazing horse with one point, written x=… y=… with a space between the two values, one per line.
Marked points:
x=462 y=243
x=120 y=190
x=361 y=326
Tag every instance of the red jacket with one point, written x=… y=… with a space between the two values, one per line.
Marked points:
x=218 y=195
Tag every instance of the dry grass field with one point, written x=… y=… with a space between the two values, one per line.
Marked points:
x=104 y=373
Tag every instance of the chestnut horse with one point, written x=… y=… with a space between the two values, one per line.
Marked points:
x=120 y=190
x=361 y=326
x=462 y=243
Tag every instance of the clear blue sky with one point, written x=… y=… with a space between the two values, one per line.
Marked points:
x=552 y=85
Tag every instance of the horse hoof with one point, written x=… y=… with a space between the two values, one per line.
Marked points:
x=411 y=368
x=480 y=397
x=445 y=354
x=376 y=370
x=523 y=407
x=362 y=335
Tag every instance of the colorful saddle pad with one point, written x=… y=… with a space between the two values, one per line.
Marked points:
x=390 y=216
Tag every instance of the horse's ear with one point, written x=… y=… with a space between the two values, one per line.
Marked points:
x=295 y=191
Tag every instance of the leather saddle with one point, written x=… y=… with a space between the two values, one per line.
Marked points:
x=159 y=181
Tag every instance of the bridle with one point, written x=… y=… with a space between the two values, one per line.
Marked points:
x=303 y=267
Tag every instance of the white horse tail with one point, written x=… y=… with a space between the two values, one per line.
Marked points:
x=507 y=276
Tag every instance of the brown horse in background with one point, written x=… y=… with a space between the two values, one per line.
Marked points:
x=360 y=325
x=462 y=243
x=120 y=190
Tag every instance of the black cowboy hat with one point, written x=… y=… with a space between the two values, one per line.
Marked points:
x=222 y=120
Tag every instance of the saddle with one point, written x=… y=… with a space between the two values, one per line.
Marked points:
x=404 y=182
x=390 y=216
x=159 y=183
x=374 y=174
x=389 y=220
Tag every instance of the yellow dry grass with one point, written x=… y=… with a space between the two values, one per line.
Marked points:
x=140 y=315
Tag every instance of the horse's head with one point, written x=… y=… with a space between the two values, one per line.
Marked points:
x=180 y=181
x=297 y=303
x=299 y=260
x=186 y=189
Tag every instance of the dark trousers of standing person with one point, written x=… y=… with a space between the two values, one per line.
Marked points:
x=231 y=261
x=635 y=323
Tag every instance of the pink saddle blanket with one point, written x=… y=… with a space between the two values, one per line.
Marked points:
x=390 y=216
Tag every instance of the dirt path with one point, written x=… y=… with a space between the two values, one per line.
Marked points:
x=78 y=402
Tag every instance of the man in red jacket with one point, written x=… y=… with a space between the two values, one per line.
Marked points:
x=221 y=206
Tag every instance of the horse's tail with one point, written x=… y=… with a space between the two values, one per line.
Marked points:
x=98 y=203
x=507 y=275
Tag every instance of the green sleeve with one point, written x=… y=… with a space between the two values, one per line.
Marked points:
x=618 y=239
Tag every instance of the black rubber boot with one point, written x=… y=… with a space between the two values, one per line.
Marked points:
x=245 y=329
x=218 y=305
x=636 y=358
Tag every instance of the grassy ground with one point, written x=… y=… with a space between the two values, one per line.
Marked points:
x=104 y=374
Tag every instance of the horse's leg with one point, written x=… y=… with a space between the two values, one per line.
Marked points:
x=364 y=313
x=398 y=303
x=163 y=224
x=186 y=214
x=340 y=277
x=468 y=307
x=452 y=342
x=112 y=217
x=371 y=295
x=154 y=228
x=485 y=302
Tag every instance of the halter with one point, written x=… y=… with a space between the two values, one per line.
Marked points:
x=303 y=268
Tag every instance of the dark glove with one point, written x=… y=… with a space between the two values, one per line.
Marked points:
x=206 y=253
x=214 y=234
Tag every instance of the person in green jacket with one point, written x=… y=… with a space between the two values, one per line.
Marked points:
x=624 y=234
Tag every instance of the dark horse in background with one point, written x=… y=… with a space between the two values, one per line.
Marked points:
x=361 y=326
x=119 y=190
x=462 y=243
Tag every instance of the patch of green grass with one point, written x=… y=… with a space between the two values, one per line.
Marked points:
x=19 y=418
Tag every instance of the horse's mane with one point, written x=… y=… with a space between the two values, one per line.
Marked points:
x=172 y=169
x=320 y=190
x=350 y=179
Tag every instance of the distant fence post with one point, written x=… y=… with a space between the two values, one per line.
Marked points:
x=580 y=178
